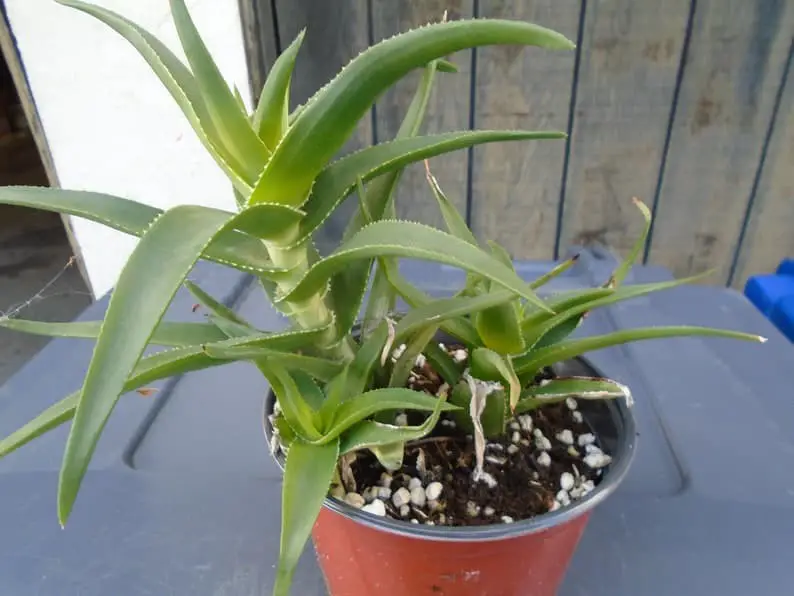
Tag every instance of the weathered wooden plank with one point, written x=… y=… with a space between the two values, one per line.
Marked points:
x=336 y=32
x=736 y=56
x=770 y=228
x=447 y=108
x=627 y=74
x=516 y=186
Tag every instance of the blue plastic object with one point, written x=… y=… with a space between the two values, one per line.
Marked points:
x=183 y=498
x=783 y=316
x=764 y=291
x=786 y=267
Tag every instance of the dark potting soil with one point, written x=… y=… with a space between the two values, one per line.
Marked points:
x=525 y=487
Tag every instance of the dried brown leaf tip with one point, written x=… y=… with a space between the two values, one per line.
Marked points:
x=147 y=391
x=195 y=307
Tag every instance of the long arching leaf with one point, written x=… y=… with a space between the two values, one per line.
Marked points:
x=135 y=308
x=231 y=248
x=165 y=334
x=412 y=240
x=330 y=117
x=270 y=117
x=232 y=124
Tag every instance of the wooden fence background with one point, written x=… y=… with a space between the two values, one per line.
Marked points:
x=686 y=104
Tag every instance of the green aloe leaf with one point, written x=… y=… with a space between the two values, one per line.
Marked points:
x=456 y=224
x=136 y=307
x=180 y=83
x=368 y=433
x=308 y=473
x=412 y=240
x=443 y=363
x=292 y=339
x=500 y=252
x=349 y=285
x=536 y=360
x=623 y=269
x=447 y=66
x=357 y=374
x=562 y=388
x=217 y=308
x=390 y=455
x=165 y=334
x=338 y=180
x=459 y=328
x=488 y=365
x=272 y=111
x=232 y=125
x=362 y=406
x=231 y=248
x=308 y=389
x=554 y=272
x=499 y=328
x=294 y=407
x=319 y=368
x=442 y=309
x=379 y=202
x=330 y=117
x=555 y=328
x=405 y=363
x=150 y=369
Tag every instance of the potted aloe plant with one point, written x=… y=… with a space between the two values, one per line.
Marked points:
x=455 y=446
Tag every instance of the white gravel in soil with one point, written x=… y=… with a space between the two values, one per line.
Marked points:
x=416 y=500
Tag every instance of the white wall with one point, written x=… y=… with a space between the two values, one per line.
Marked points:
x=110 y=124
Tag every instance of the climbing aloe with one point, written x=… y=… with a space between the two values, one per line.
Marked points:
x=334 y=387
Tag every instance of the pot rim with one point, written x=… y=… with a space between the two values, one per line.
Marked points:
x=613 y=475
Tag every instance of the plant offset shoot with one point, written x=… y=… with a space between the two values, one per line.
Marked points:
x=344 y=393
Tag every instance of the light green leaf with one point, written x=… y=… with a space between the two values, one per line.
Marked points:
x=232 y=125
x=390 y=455
x=491 y=366
x=362 y=406
x=308 y=473
x=240 y=101
x=623 y=269
x=405 y=363
x=289 y=340
x=442 y=363
x=216 y=307
x=412 y=240
x=231 y=248
x=447 y=66
x=150 y=369
x=180 y=83
x=456 y=224
x=349 y=285
x=357 y=374
x=544 y=330
x=165 y=334
x=270 y=221
x=294 y=407
x=554 y=272
x=459 y=328
x=136 y=307
x=308 y=389
x=499 y=328
x=500 y=252
x=319 y=368
x=330 y=117
x=560 y=389
x=442 y=309
x=368 y=433
x=536 y=360
x=338 y=180
x=380 y=203
x=270 y=118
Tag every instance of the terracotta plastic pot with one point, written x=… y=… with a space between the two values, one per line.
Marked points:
x=363 y=555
